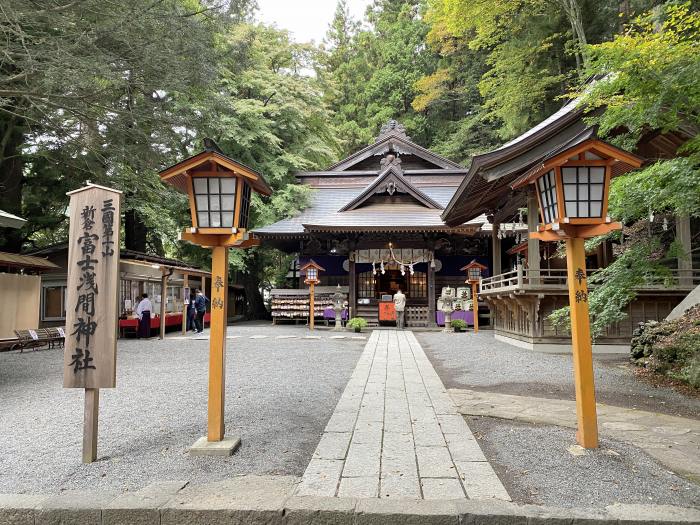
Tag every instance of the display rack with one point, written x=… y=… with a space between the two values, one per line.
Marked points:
x=293 y=304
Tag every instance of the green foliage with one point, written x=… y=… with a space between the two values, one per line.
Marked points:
x=671 y=348
x=357 y=322
x=458 y=325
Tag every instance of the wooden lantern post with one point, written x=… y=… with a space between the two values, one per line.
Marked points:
x=572 y=189
x=474 y=271
x=219 y=190
x=312 y=270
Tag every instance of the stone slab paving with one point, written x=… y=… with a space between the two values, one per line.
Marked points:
x=396 y=433
x=674 y=441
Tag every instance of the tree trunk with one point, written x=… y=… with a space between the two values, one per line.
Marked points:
x=255 y=308
x=134 y=232
x=11 y=178
x=573 y=13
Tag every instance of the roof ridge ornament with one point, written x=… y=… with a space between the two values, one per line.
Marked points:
x=392 y=127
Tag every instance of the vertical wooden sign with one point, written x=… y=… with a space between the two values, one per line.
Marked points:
x=90 y=353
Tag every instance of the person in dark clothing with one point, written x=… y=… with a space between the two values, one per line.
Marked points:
x=200 y=305
x=191 y=314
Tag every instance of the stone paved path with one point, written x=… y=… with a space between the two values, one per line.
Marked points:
x=672 y=440
x=397 y=433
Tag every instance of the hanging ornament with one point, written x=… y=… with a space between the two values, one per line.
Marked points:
x=520 y=219
x=374 y=268
x=651 y=216
x=381 y=268
x=410 y=268
x=403 y=272
x=665 y=224
x=432 y=263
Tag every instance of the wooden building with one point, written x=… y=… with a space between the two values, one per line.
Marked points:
x=374 y=224
x=521 y=298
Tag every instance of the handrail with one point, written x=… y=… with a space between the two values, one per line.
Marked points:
x=556 y=279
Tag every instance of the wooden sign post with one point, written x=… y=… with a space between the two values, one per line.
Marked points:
x=90 y=353
x=312 y=270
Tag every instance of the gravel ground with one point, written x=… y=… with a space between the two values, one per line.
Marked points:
x=479 y=362
x=535 y=466
x=280 y=395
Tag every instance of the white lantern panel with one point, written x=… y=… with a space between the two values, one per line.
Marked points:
x=228 y=185
x=203 y=220
x=597 y=175
x=200 y=185
x=546 y=188
x=213 y=185
x=214 y=203
x=215 y=220
x=228 y=202
x=202 y=202
x=584 y=189
x=227 y=219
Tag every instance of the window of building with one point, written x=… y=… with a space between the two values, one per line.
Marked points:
x=53 y=302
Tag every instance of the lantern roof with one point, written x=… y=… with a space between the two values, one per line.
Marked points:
x=473 y=264
x=212 y=161
x=621 y=161
x=312 y=264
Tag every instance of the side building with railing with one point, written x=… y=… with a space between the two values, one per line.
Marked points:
x=528 y=280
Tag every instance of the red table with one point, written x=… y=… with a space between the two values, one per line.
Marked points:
x=174 y=319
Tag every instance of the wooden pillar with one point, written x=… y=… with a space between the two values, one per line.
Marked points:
x=352 y=286
x=475 y=304
x=587 y=434
x=431 y=291
x=217 y=343
x=312 y=313
x=533 y=245
x=185 y=284
x=90 y=424
x=163 y=303
x=685 y=262
x=496 y=247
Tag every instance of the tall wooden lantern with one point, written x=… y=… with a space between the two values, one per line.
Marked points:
x=572 y=187
x=474 y=271
x=312 y=270
x=219 y=190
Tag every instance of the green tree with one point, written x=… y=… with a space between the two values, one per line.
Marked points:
x=649 y=85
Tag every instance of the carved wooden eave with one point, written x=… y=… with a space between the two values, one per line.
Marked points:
x=390 y=181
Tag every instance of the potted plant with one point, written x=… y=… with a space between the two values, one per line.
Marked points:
x=458 y=325
x=357 y=324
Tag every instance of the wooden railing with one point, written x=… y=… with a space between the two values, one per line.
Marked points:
x=522 y=279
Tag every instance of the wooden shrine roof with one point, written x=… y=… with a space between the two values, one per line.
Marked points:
x=393 y=185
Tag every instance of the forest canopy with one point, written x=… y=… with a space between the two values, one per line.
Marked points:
x=113 y=91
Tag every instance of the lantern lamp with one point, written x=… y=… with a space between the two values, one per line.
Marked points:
x=572 y=186
x=219 y=191
x=474 y=271
x=312 y=269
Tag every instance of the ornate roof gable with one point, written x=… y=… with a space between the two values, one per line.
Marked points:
x=392 y=138
x=390 y=181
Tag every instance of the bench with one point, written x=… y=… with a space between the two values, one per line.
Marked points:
x=39 y=337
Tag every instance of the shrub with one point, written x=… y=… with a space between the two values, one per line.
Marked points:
x=458 y=324
x=671 y=348
x=357 y=322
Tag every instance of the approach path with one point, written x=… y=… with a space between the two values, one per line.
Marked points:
x=397 y=433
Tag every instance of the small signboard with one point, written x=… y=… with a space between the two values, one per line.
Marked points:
x=93 y=284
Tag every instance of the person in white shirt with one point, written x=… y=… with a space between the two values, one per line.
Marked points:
x=400 y=307
x=143 y=312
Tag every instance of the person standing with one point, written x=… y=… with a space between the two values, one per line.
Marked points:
x=400 y=307
x=200 y=305
x=191 y=314
x=143 y=312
